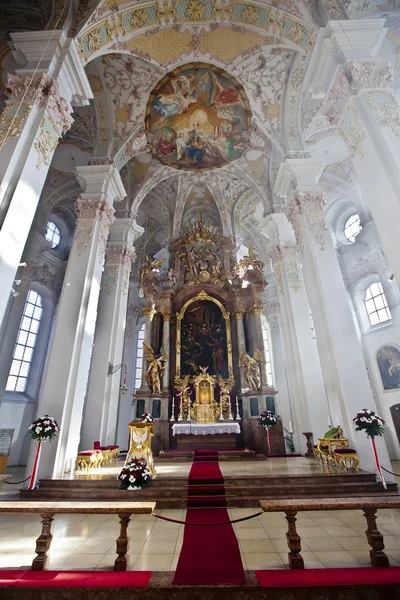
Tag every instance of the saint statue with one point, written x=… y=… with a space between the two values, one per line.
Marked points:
x=252 y=369
x=155 y=368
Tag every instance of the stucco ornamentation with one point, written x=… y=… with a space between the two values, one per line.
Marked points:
x=386 y=109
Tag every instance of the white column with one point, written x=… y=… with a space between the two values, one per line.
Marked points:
x=357 y=89
x=338 y=343
x=259 y=341
x=37 y=114
x=238 y=314
x=305 y=380
x=103 y=394
x=66 y=376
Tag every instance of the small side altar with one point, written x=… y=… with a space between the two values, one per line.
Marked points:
x=213 y=436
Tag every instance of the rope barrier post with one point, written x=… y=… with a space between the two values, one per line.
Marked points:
x=35 y=467
x=378 y=466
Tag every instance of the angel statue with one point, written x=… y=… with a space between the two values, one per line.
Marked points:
x=252 y=369
x=155 y=368
x=225 y=398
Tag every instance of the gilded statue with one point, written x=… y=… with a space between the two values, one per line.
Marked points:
x=155 y=368
x=149 y=275
x=252 y=370
x=225 y=398
x=184 y=396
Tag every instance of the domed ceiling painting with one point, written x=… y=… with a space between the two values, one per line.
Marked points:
x=198 y=118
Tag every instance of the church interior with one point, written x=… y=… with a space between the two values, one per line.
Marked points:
x=199 y=299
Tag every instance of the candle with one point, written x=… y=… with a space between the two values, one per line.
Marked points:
x=290 y=427
x=337 y=421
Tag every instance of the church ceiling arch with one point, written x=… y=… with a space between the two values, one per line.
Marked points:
x=33 y=15
x=113 y=30
x=105 y=121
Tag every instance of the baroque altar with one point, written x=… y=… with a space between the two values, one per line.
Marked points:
x=205 y=360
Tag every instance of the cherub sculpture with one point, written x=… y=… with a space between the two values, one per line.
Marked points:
x=251 y=367
x=155 y=368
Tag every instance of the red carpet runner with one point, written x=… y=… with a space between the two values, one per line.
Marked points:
x=209 y=555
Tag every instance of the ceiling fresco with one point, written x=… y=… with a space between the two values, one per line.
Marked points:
x=198 y=118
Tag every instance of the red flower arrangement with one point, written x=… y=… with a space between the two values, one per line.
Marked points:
x=368 y=421
x=44 y=428
x=267 y=419
x=134 y=475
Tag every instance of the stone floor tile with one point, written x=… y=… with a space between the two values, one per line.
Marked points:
x=337 y=559
x=263 y=560
x=276 y=532
x=338 y=532
x=152 y=562
x=353 y=543
x=16 y=561
x=81 y=561
x=310 y=560
x=157 y=547
x=252 y=534
x=96 y=546
x=256 y=546
x=281 y=545
x=322 y=544
x=162 y=535
x=311 y=532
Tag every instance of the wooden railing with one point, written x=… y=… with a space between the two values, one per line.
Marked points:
x=369 y=506
x=48 y=510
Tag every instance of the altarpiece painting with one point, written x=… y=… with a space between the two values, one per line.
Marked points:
x=388 y=359
x=204 y=342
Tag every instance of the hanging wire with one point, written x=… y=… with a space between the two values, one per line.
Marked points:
x=28 y=87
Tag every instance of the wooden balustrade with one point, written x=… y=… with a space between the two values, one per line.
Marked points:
x=48 y=510
x=369 y=506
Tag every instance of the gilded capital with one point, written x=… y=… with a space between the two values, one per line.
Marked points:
x=149 y=312
x=167 y=315
x=238 y=314
x=257 y=310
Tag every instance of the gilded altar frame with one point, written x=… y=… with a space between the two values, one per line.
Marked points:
x=179 y=317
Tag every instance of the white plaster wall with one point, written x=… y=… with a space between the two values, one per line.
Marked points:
x=18 y=415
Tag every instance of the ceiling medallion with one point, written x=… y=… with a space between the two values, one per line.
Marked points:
x=198 y=118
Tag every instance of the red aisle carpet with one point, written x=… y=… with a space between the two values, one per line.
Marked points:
x=209 y=555
x=329 y=577
x=79 y=579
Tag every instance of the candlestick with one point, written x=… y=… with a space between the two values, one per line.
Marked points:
x=237 y=410
x=337 y=421
x=290 y=427
x=230 y=417
x=221 y=415
x=173 y=409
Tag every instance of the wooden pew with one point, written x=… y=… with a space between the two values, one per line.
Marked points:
x=47 y=511
x=369 y=506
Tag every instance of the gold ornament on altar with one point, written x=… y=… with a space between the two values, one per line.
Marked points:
x=252 y=370
x=205 y=409
x=155 y=368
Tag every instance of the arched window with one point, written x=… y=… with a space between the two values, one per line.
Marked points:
x=139 y=358
x=267 y=356
x=52 y=234
x=25 y=344
x=376 y=304
x=352 y=227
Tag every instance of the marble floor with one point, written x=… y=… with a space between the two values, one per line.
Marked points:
x=329 y=538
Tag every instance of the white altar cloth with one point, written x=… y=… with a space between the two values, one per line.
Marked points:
x=204 y=428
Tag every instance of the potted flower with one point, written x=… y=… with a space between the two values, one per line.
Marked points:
x=146 y=418
x=267 y=419
x=43 y=429
x=134 y=475
x=368 y=421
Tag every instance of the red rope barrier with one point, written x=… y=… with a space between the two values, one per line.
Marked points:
x=16 y=482
x=207 y=524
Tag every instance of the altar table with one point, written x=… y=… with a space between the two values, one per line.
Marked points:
x=213 y=436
